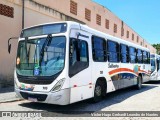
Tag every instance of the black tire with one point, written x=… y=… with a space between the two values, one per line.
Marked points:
x=139 y=83
x=98 y=92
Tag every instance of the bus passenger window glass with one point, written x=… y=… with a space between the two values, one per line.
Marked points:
x=148 y=58
x=132 y=55
x=158 y=65
x=139 y=56
x=153 y=64
x=113 y=51
x=145 y=58
x=83 y=52
x=78 y=56
x=124 y=53
x=99 y=49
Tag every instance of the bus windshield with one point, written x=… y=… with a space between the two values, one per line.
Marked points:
x=41 y=57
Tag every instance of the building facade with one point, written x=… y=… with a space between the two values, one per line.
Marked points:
x=42 y=11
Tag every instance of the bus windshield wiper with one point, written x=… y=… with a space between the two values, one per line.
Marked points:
x=47 y=42
x=28 y=53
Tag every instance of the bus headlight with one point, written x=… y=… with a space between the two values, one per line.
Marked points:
x=58 y=85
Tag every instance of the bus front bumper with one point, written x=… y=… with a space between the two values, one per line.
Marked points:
x=61 y=97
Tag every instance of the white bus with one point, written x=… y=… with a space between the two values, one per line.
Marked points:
x=155 y=67
x=66 y=62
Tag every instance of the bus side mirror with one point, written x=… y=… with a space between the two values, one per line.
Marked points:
x=9 y=48
x=9 y=45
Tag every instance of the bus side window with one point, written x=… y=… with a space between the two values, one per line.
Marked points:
x=132 y=55
x=113 y=51
x=124 y=53
x=99 y=49
x=78 y=56
x=145 y=57
x=139 y=56
x=158 y=64
x=148 y=58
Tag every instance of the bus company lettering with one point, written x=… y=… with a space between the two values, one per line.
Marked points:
x=111 y=65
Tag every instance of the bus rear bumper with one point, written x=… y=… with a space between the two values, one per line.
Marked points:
x=61 y=97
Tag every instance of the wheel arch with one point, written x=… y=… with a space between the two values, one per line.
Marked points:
x=103 y=81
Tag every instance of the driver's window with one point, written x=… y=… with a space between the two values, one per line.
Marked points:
x=78 y=57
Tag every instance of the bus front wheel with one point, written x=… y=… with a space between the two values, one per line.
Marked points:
x=98 y=92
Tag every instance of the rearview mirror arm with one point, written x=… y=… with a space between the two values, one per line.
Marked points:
x=9 y=45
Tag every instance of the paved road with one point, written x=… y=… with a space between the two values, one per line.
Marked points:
x=129 y=99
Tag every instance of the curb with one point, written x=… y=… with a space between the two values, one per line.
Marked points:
x=12 y=100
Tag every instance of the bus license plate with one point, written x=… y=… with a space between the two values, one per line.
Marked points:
x=32 y=99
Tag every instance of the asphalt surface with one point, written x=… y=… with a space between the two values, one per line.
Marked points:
x=129 y=99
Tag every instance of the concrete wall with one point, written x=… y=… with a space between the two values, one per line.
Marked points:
x=9 y=27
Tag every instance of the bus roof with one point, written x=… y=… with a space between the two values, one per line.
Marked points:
x=95 y=32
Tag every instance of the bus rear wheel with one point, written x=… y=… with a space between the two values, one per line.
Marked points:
x=98 y=92
x=139 y=83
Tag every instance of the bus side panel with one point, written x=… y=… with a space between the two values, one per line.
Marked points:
x=81 y=93
x=147 y=73
x=100 y=69
x=81 y=83
x=127 y=74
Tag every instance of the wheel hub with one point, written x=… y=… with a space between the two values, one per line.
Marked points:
x=98 y=91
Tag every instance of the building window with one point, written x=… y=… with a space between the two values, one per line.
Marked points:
x=6 y=10
x=141 y=43
x=87 y=14
x=73 y=7
x=146 y=46
x=127 y=34
x=133 y=37
x=137 y=39
x=98 y=19
x=107 y=24
x=115 y=28
x=122 y=31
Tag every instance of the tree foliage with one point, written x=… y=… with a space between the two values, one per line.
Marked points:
x=157 y=46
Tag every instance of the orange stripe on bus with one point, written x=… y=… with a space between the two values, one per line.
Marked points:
x=120 y=70
x=125 y=70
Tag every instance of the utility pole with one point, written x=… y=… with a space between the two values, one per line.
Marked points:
x=23 y=14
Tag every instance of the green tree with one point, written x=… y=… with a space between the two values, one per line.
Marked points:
x=157 y=46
